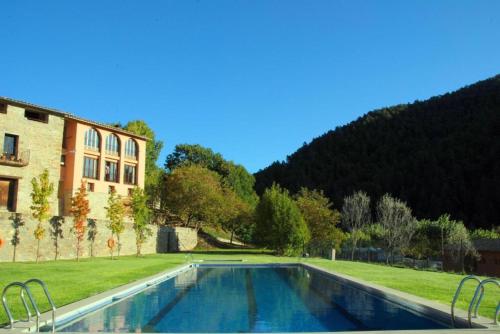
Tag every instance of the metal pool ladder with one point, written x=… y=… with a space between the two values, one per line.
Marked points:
x=478 y=296
x=24 y=287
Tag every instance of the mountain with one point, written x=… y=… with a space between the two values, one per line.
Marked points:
x=441 y=155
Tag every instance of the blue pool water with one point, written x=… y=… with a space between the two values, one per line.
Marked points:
x=251 y=299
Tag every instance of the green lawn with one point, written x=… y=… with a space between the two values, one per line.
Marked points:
x=69 y=281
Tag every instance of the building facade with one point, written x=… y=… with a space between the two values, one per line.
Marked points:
x=73 y=150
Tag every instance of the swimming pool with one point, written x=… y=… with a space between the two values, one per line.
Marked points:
x=239 y=298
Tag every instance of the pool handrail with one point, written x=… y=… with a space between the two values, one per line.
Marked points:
x=26 y=307
x=480 y=287
x=47 y=294
x=457 y=294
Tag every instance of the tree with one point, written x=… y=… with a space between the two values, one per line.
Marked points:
x=42 y=189
x=397 y=223
x=80 y=209
x=153 y=174
x=355 y=215
x=426 y=242
x=460 y=244
x=485 y=234
x=141 y=215
x=321 y=220
x=237 y=217
x=195 y=195
x=232 y=175
x=280 y=224
x=115 y=212
x=445 y=224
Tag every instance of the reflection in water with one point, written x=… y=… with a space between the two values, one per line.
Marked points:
x=245 y=299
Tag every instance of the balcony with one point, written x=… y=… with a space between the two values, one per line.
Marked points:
x=15 y=160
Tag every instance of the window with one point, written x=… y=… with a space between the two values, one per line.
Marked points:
x=111 y=189
x=8 y=189
x=111 y=172
x=10 y=145
x=90 y=168
x=131 y=149
x=90 y=187
x=130 y=174
x=92 y=140
x=36 y=116
x=3 y=108
x=112 y=145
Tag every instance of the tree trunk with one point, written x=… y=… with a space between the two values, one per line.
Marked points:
x=37 y=250
x=462 y=257
x=119 y=244
x=442 y=244
x=353 y=249
x=78 y=249
x=14 y=254
x=138 y=244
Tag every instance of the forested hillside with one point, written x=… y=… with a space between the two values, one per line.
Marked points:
x=440 y=156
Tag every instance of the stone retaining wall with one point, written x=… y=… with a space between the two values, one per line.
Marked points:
x=12 y=228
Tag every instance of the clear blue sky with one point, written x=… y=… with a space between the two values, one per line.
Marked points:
x=250 y=79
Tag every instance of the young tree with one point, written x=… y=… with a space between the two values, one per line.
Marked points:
x=397 y=223
x=115 y=212
x=355 y=215
x=280 y=225
x=42 y=189
x=445 y=224
x=321 y=220
x=459 y=242
x=79 y=210
x=195 y=195
x=141 y=215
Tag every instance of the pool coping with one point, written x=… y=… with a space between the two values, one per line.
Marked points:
x=431 y=309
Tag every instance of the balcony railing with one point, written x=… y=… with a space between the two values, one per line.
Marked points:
x=16 y=160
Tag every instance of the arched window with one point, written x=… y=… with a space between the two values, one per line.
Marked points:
x=92 y=140
x=131 y=149
x=112 y=145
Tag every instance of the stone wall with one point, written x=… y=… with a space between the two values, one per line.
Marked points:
x=175 y=239
x=26 y=248
x=21 y=227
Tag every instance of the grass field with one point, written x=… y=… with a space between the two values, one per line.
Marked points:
x=70 y=281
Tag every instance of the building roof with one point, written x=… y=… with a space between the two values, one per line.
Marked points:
x=491 y=245
x=67 y=115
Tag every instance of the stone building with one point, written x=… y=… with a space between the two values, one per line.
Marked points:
x=72 y=149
